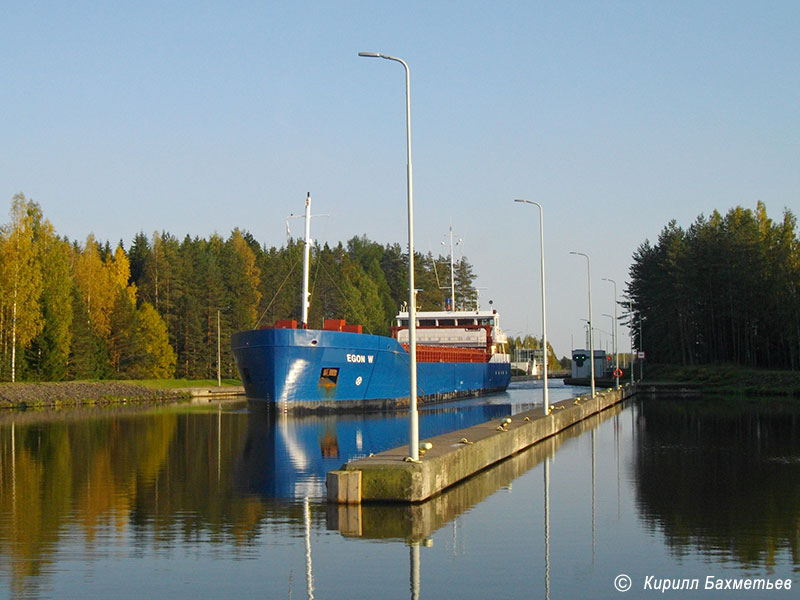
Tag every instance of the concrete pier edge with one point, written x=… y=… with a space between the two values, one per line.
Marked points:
x=455 y=456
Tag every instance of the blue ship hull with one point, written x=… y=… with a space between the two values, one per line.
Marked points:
x=341 y=370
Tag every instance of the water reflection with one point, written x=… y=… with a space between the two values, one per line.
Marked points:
x=414 y=569
x=418 y=522
x=169 y=477
x=547 y=528
x=287 y=456
x=594 y=495
x=84 y=473
x=721 y=477
x=307 y=539
x=716 y=479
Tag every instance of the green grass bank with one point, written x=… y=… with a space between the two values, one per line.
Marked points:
x=728 y=380
x=101 y=393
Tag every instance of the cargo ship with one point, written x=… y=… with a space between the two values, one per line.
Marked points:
x=460 y=353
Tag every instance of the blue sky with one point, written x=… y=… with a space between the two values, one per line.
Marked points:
x=196 y=117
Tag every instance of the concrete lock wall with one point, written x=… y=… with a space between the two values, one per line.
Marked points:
x=455 y=456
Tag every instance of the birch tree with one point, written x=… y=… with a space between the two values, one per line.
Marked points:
x=21 y=278
x=90 y=277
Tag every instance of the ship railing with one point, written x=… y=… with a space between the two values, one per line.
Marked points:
x=449 y=354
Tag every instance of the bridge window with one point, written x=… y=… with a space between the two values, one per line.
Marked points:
x=329 y=376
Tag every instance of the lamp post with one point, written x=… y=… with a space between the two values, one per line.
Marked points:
x=613 y=342
x=453 y=273
x=413 y=417
x=630 y=324
x=591 y=324
x=586 y=331
x=306 y=262
x=219 y=345
x=545 y=392
x=641 y=349
x=616 y=350
x=219 y=354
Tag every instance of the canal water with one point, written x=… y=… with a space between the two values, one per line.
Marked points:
x=227 y=501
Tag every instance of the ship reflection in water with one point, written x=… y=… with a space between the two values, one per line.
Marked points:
x=287 y=456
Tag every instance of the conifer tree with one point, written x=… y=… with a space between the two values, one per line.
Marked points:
x=361 y=296
x=88 y=357
x=49 y=353
x=235 y=306
x=725 y=290
x=242 y=281
x=465 y=292
x=121 y=340
x=138 y=256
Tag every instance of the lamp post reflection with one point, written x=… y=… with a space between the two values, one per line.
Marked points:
x=414 y=568
x=547 y=528
x=309 y=573
x=594 y=511
x=616 y=452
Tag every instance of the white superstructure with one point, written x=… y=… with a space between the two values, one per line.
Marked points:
x=463 y=329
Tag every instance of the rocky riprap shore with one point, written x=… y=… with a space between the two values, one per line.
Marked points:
x=76 y=393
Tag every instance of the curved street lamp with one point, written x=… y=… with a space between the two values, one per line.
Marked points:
x=413 y=416
x=545 y=392
x=591 y=324
x=630 y=334
x=616 y=348
x=614 y=344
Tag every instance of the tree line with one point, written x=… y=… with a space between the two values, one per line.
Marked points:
x=534 y=343
x=727 y=289
x=161 y=308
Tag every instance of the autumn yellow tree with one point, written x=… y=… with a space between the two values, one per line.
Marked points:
x=155 y=356
x=100 y=282
x=91 y=276
x=20 y=283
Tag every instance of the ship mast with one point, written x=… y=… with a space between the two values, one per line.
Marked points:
x=306 y=262
x=452 y=272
